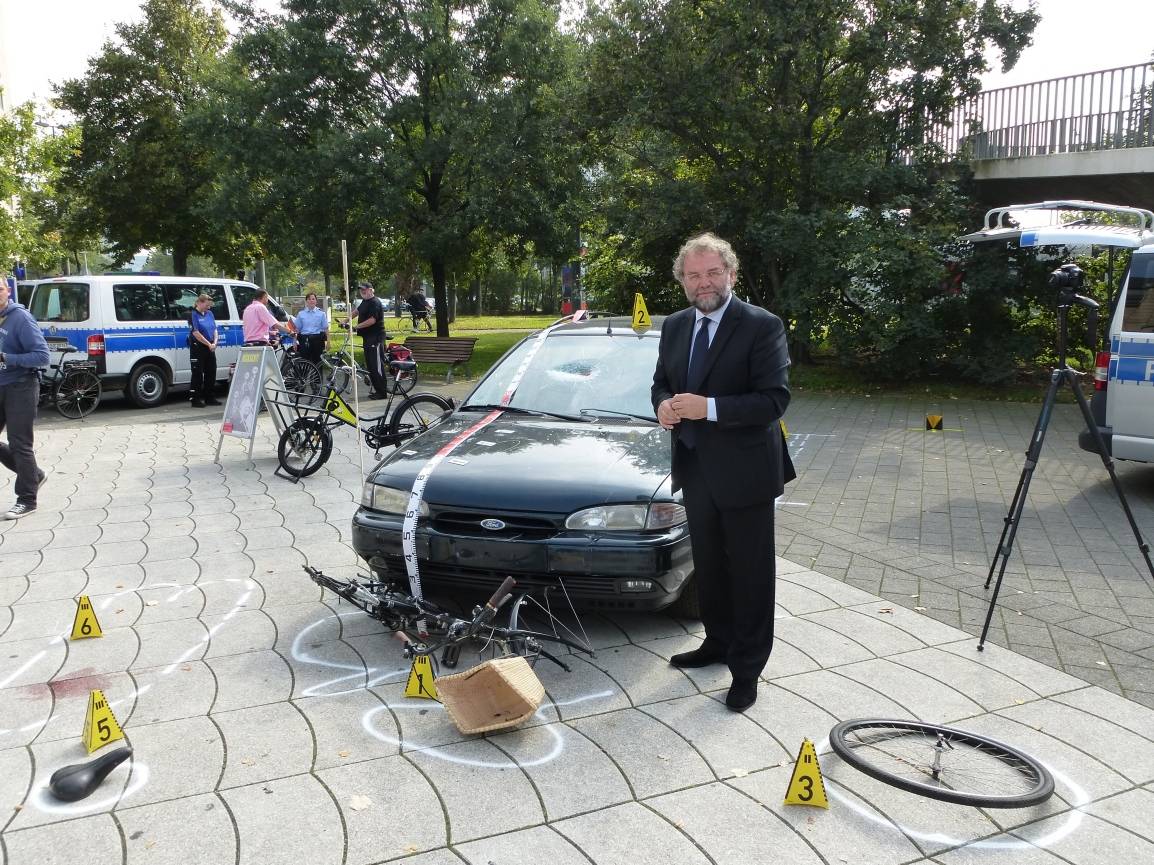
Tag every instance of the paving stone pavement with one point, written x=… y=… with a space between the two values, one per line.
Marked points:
x=269 y=724
x=916 y=517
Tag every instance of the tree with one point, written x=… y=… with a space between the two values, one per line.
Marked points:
x=412 y=124
x=143 y=172
x=775 y=124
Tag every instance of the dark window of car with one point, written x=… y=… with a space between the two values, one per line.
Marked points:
x=60 y=301
x=182 y=300
x=577 y=370
x=140 y=302
x=1139 y=313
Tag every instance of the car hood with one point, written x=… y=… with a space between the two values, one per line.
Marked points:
x=520 y=463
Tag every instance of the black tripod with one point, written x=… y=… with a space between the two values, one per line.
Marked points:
x=1067 y=279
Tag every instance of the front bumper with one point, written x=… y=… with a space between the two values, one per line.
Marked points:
x=592 y=568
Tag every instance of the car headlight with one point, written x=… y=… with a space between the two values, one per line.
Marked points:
x=627 y=518
x=388 y=499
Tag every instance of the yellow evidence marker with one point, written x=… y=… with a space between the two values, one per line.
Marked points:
x=806 y=786
x=934 y=422
x=420 y=682
x=100 y=725
x=641 y=320
x=84 y=625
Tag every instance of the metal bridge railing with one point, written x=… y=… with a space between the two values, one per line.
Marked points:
x=1106 y=110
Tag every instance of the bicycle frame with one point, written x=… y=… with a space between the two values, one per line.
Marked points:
x=444 y=632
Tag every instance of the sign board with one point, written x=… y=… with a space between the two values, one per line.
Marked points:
x=256 y=381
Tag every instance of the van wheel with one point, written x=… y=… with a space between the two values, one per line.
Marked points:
x=147 y=386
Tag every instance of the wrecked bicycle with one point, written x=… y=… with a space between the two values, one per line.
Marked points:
x=429 y=629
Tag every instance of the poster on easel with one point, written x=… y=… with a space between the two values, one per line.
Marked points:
x=256 y=381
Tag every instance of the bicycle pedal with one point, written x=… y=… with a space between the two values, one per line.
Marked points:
x=450 y=655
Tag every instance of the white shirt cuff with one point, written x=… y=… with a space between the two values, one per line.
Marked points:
x=711 y=409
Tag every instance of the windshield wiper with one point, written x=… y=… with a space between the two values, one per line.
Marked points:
x=598 y=412
x=516 y=409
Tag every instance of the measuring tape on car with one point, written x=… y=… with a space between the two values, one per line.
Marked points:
x=417 y=495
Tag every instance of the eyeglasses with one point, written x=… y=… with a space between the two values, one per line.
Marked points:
x=713 y=273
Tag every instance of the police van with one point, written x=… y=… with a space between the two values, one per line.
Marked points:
x=136 y=327
x=1123 y=400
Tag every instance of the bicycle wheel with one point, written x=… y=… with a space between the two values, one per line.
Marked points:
x=77 y=393
x=401 y=381
x=302 y=379
x=304 y=447
x=942 y=763
x=415 y=415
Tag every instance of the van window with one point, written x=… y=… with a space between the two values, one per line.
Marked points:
x=60 y=301
x=243 y=295
x=182 y=299
x=139 y=302
x=1139 y=313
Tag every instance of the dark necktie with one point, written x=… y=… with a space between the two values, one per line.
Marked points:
x=688 y=431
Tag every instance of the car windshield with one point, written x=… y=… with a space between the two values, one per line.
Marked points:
x=578 y=370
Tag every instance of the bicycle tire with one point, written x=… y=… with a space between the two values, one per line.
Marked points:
x=304 y=446
x=415 y=415
x=401 y=382
x=302 y=379
x=77 y=394
x=900 y=753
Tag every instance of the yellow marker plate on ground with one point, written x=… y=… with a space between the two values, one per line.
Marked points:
x=420 y=682
x=84 y=625
x=100 y=725
x=934 y=422
x=806 y=786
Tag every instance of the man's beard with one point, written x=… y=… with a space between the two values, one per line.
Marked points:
x=710 y=302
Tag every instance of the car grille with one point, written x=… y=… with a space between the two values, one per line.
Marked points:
x=524 y=526
x=485 y=582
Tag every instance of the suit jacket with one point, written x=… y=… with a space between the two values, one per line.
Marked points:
x=743 y=452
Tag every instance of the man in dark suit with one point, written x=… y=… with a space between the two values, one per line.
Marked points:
x=721 y=386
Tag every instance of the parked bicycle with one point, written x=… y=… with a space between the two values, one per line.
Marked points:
x=337 y=369
x=72 y=387
x=429 y=628
x=307 y=443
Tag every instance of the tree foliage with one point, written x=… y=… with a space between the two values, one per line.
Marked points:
x=143 y=172
x=789 y=128
x=412 y=124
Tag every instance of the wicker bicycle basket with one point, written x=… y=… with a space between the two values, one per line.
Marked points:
x=495 y=695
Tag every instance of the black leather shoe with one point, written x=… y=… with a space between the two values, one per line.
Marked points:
x=212 y=401
x=198 y=403
x=742 y=694
x=699 y=657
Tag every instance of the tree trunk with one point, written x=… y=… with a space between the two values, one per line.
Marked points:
x=437 y=265
x=180 y=259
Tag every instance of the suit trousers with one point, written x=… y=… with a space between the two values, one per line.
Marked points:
x=733 y=560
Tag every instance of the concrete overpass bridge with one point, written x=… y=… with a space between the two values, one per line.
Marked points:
x=1088 y=136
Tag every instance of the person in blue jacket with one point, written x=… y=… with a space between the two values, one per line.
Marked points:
x=22 y=352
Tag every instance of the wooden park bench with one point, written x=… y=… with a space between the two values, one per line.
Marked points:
x=450 y=350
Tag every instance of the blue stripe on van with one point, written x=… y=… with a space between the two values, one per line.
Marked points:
x=158 y=338
x=1133 y=348
x=1137 y=369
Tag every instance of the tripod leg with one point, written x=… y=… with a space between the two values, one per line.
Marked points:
x=1108 y=462
x=1014 y=516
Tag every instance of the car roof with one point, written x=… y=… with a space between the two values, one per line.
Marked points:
x=1136 y=228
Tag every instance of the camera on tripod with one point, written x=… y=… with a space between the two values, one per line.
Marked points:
x=1068 y=276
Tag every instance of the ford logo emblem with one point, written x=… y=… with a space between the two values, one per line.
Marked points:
x=492 y=525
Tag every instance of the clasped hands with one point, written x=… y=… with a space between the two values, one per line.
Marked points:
x=681 y=406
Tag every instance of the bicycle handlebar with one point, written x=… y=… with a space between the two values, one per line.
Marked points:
x=502 y=593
